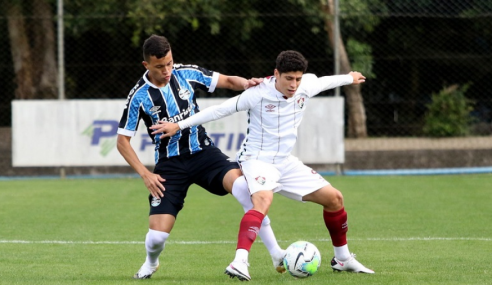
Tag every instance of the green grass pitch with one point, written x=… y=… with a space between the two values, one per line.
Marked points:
x=409 y=229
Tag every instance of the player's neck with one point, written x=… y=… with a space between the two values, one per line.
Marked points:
x=156 y=83
x=286 y=96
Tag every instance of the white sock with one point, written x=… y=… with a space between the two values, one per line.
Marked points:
x=241 y=193
x=154 y=244
x=342 y=252
x=268 y=237
x=241 y=255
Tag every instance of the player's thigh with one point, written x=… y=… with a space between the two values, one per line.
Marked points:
x=230 y=177
x=176 y=184
x=260 y=176
x=211 y=168
x=299 y=180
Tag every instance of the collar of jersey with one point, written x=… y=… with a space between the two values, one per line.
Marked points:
x=150 y=83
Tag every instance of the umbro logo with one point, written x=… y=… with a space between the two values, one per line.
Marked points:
x=155 y=110
x=270 y=108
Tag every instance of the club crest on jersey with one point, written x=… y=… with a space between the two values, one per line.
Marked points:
x=300 y=102
x=261 y=180
x=184 y=94
x=155 y=202
x=155 y=110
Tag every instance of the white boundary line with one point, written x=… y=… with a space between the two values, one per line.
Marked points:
x=232 y=242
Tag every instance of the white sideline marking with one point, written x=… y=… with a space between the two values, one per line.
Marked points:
x=229 y=242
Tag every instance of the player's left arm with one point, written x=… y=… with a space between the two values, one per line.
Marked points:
x=323 y=83
x=237 y=83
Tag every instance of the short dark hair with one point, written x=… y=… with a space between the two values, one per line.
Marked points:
x=157 y=46
x=291 y=60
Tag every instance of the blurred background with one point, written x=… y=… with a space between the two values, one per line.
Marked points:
x=426 y=102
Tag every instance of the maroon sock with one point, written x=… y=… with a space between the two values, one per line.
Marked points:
x=336 y=223
x=249 y=229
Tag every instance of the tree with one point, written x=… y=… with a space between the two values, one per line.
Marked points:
x=350 y=19
x=32 y=42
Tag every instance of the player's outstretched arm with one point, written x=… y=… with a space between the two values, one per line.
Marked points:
x=237 y=83
x=209 y=114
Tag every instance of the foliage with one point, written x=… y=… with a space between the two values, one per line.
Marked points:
x=449 y=113
x=361 y=57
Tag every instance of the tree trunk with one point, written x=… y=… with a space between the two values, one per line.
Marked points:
x=21 y=52
x=44 y=45
x=34 y=64
x=355 y=102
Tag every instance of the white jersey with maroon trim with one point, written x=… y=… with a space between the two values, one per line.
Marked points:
x=272 y=118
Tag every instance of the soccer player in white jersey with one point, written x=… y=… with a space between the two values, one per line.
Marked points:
x=275 y=108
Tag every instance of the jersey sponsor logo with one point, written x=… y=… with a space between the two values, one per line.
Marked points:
x=261 y=180
x=155 y=202
x=184 y=94
x=270 y=108
x=179 y=117
x=300 y=102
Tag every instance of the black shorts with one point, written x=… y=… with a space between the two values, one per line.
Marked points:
x=206 y=168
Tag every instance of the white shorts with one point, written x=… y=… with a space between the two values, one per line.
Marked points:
x=290 y=178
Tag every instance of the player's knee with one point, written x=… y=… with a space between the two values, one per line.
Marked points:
x=233 y=177
x=266 y=221
x=262 y=200
x=338 y=198
x=333 y=199
x=155 y=239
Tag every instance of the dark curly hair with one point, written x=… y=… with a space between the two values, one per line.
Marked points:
x=291 y=60
x=157 y=46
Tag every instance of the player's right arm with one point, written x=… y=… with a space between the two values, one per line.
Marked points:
x=152 y=181
x=127 y=129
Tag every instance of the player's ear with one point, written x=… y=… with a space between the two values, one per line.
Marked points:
x=145 y=64
x=276 y=73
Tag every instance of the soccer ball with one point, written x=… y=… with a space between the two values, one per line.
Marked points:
x=302 y=259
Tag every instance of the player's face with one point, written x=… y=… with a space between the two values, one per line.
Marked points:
x=288 y=82
x=160 y=69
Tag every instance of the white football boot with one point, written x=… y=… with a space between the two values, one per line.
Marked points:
x=351 y=265
x=146 y=271
x=238 y=269
x=278 y=262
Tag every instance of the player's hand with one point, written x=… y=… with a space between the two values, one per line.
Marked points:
x=153 y=182
x=252 y=82
x=167 y=129
x=358 y=77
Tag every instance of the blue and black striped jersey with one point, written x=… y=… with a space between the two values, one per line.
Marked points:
x=172 y=103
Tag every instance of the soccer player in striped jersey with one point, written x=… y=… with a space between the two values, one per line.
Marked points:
x=166 y=92
x=275 y=109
